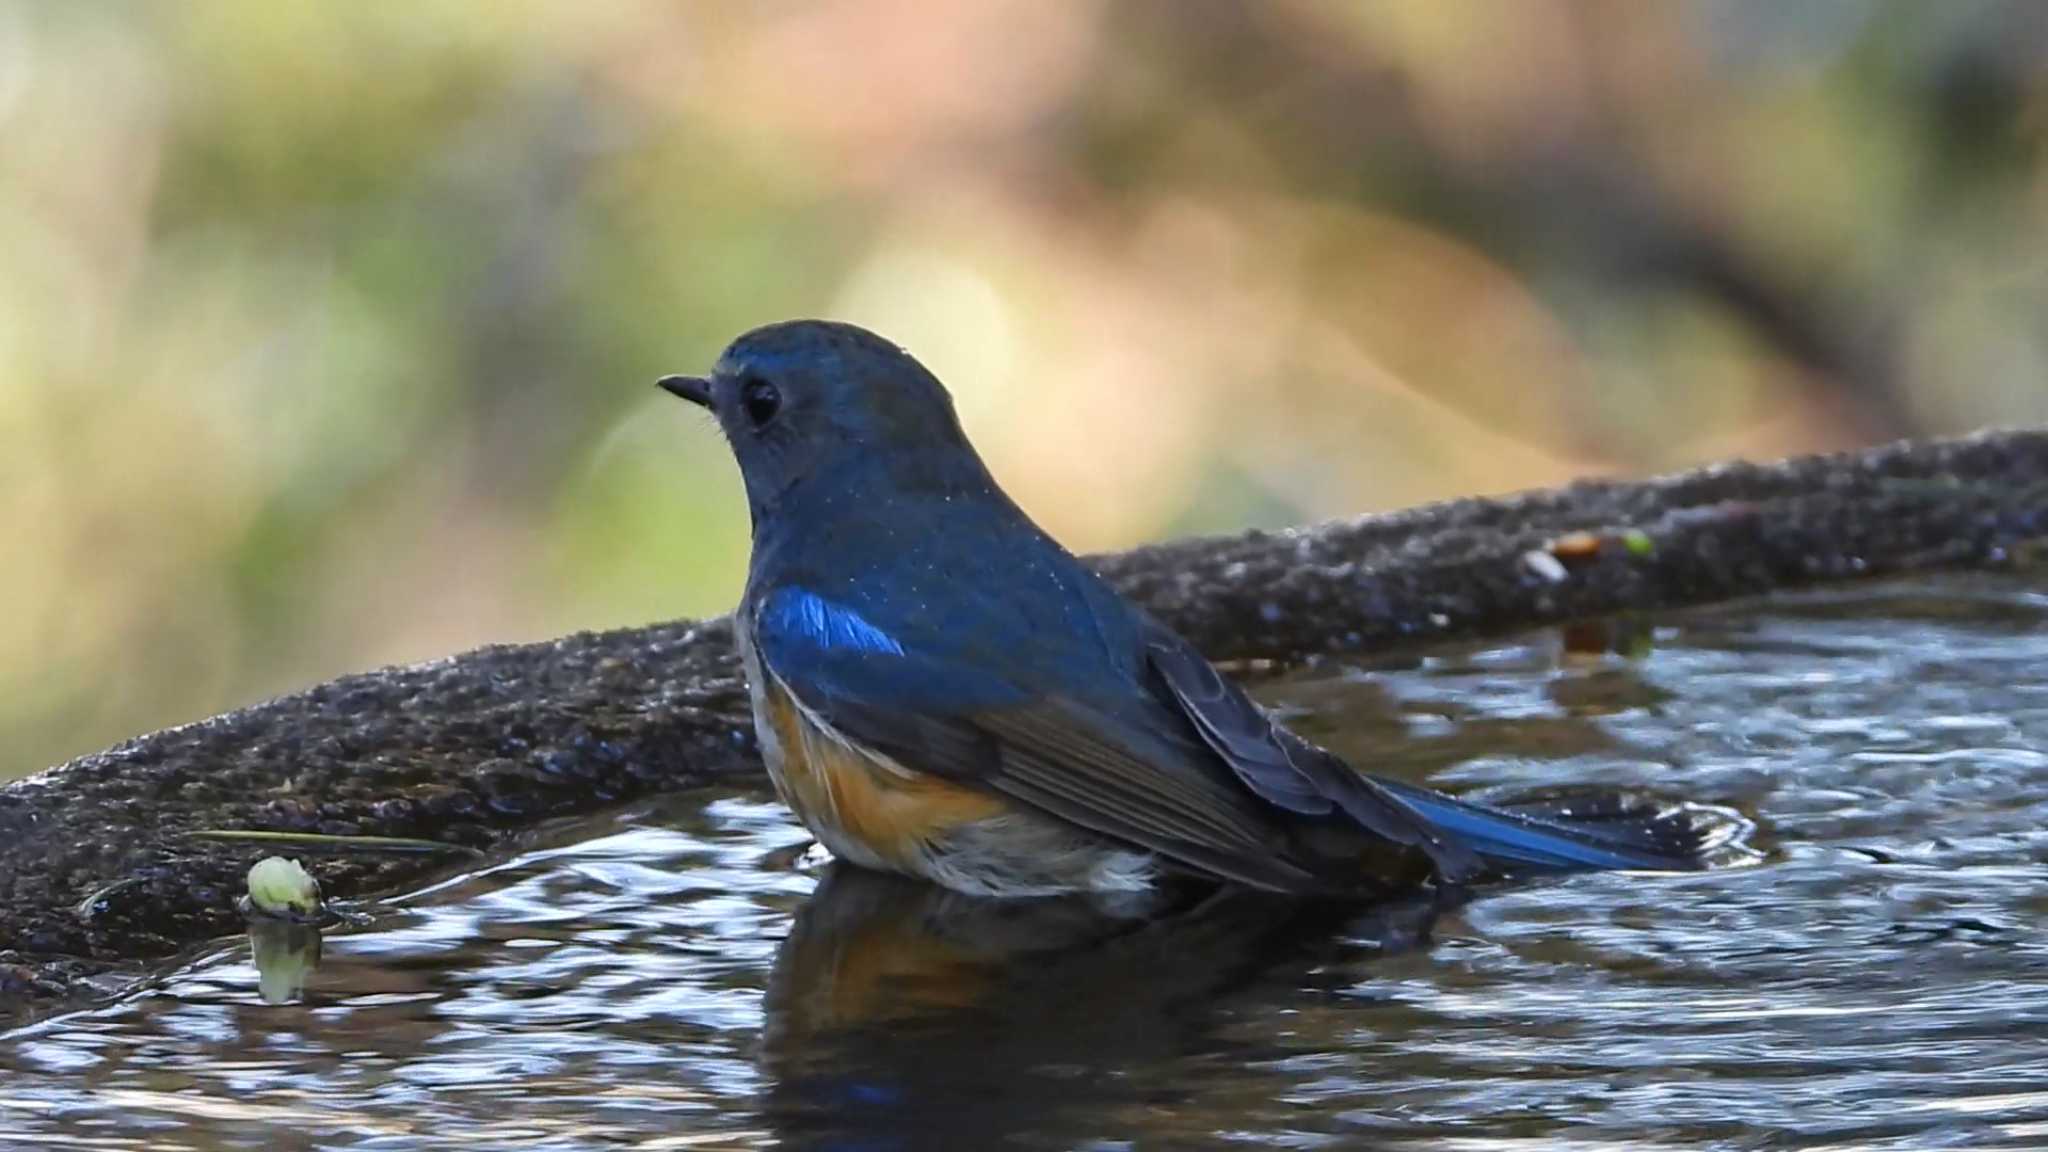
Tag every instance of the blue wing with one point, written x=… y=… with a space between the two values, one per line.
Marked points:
x=826 y=649
x=824 y=625
x=886 y=685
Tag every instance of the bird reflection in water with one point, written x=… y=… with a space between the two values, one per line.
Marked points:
x=904 y=1016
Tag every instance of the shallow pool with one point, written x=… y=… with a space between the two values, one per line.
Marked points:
x=683 y=975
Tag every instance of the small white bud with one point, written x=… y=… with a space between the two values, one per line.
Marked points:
x=279 y=887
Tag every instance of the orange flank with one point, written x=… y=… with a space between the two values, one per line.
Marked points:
x=857 y=804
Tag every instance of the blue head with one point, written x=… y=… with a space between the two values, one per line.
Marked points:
x=810 y=403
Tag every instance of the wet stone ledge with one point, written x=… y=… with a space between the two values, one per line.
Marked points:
x=100 y=873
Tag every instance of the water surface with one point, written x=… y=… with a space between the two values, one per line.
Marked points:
x=677 y=975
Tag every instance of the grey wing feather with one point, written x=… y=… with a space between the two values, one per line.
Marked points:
x=1092 y=771
x=1282 y=768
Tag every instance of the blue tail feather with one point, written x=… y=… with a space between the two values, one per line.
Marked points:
x=1549 y=837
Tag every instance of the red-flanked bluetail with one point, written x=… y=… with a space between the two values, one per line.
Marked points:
x=941 y=690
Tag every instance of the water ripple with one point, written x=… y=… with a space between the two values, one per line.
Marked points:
x=669 y=977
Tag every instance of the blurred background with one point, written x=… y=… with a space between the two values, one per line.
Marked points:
x=327 y=331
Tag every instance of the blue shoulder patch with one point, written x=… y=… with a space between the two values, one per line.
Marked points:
x=799 y=614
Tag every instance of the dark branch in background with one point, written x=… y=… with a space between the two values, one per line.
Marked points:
x=99 y=871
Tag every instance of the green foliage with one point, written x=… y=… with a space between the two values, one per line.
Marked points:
x=327 y=331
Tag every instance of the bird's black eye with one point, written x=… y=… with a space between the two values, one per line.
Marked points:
x=762 y=401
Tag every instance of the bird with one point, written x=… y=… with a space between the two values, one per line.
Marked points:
x=940 y=689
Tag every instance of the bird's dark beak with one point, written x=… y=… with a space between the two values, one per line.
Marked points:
x=695 y=389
